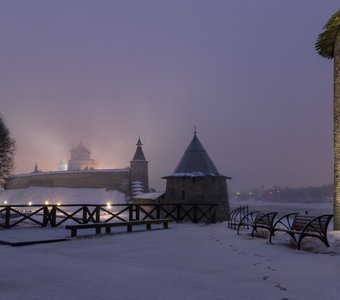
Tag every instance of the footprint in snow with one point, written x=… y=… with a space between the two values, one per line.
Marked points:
x=265 y=277
x=279 y=286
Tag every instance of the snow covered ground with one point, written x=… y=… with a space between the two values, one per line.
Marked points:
x=39 y=195
x=188 y=261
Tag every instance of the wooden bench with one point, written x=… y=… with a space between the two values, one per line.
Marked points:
x=257 y=219
x=303 y=225
x=107 y=226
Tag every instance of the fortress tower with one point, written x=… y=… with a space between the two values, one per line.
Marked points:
x=139 y=175
x=197 y=180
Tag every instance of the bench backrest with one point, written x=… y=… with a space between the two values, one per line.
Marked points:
x=317 y=224
x=265 y=218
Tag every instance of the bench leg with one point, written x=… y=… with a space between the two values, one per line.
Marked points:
x=166 y=225
x=148 y=226
x=108 y=229
x=73 y=232
x=129 y=228
x=98 y=231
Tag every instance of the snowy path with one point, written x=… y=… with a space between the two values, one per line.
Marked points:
x=186 y=262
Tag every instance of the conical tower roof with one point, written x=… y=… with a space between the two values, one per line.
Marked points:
x=139 y=154
x=196 y=161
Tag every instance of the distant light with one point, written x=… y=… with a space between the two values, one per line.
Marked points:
x=278 y=191
x=5 y=202
x=30 y=203
x=250 y=193
x=58 y=203
x=46 y=202
x=238 y=193
x=108 y=204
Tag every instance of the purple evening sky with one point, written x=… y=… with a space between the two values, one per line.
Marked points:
x=106 y=72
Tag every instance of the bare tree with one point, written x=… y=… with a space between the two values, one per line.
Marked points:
x=7 y=150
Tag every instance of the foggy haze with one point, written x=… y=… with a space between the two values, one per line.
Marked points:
x=106 y=72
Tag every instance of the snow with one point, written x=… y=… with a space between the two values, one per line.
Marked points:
x=150 y=196
x=39 y=195
x=188 y=261
x=137 y=183
x=192 y=174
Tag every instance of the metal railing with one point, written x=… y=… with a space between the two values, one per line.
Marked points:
x=56 y=215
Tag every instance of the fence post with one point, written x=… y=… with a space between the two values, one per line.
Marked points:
x=130 y=212
x=195 y=213
x=7 y=217
x=97 y=214
x=54 y=216
x=178 y=212
x=45 y=216
x=84 y=214
x=137 y=206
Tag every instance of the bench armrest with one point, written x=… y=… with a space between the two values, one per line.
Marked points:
x=247 y=219
x=318 y=224
x=286 y=221
x=267 y=218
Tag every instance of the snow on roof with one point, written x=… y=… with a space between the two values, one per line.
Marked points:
x=135 y=193
x=150 y=196
x=193 y=174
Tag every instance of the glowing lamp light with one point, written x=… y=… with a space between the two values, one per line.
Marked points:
x=108 y=204
x=5 y=202
x=58 y=203
x=30 y=203
x=46 y=202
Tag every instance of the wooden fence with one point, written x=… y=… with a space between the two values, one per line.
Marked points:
x=56 y=215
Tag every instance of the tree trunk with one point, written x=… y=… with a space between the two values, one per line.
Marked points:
x=336 y=109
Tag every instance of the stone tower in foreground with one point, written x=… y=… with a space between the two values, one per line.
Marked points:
x=197 y=180
x=139 y=175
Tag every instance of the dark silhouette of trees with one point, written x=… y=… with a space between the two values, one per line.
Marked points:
x=7 y=150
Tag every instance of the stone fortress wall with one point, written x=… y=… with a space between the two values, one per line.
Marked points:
x=82 y=175
x=118 y=179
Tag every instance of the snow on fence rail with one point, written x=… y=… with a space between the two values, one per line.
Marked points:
x=56 y=215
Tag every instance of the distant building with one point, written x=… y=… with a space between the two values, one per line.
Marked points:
x=197 y=180
x=81 y=159
x=81 y=174
x=62 y=165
